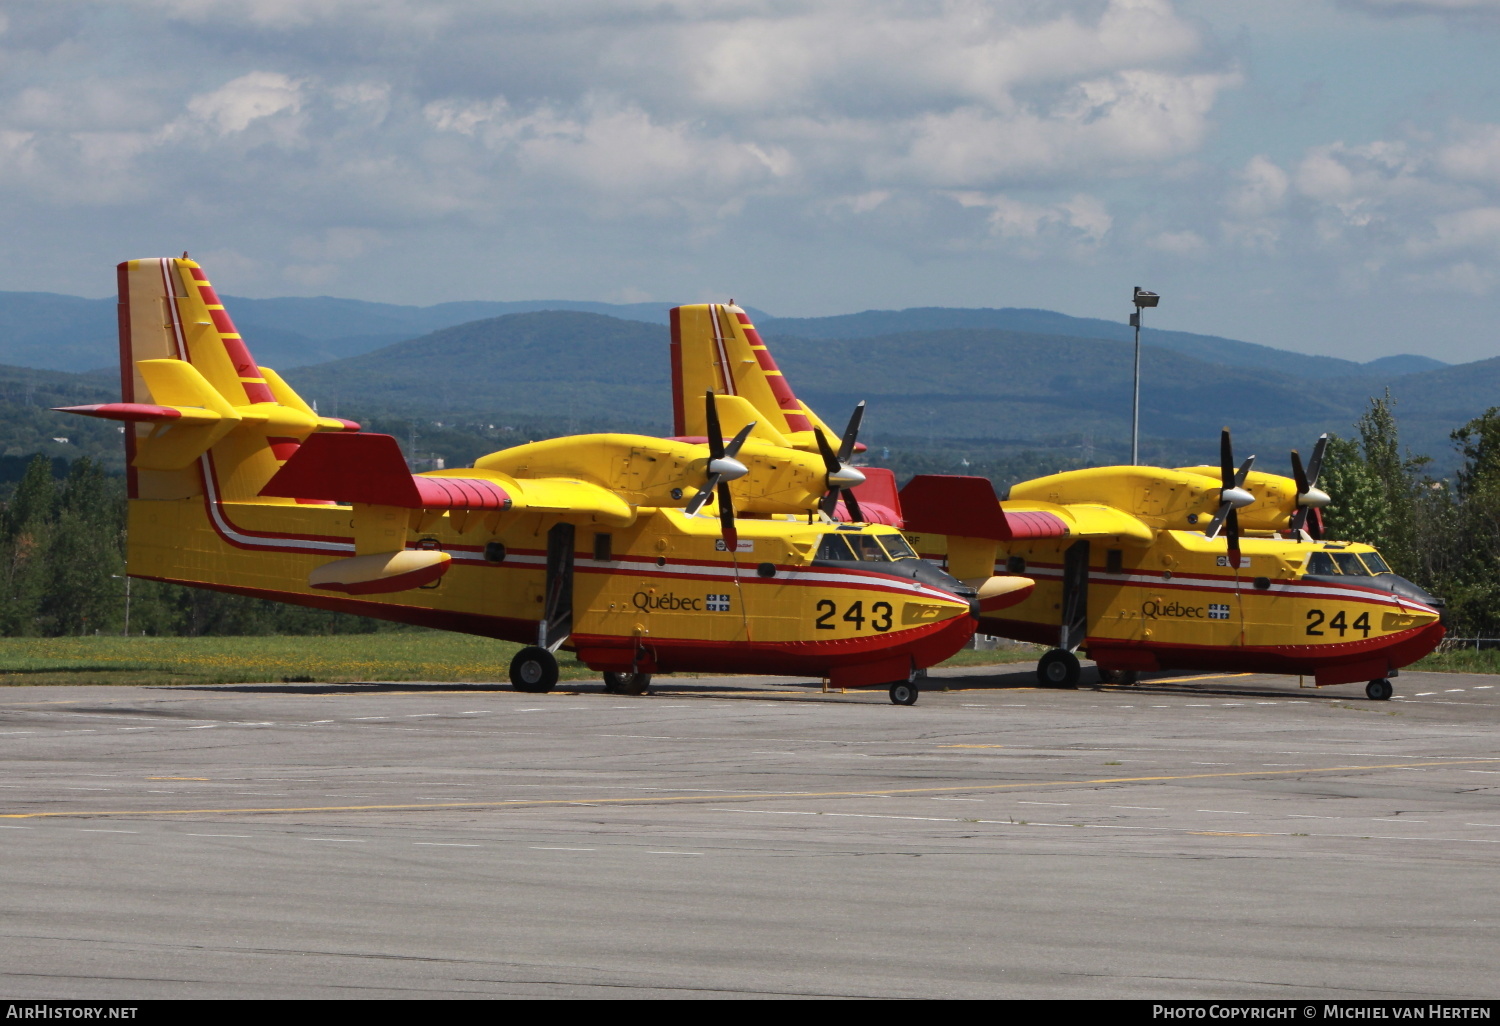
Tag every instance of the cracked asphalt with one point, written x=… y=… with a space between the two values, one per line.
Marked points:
x=1187 y=837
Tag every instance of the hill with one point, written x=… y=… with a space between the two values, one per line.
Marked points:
x=1022 y=389
x=56 y=332
x=1208 y=348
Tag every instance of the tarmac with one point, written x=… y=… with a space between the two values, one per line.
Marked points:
x=1229 y=836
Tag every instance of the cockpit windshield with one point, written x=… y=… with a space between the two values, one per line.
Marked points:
x=897 y=546
x=1348 y=564
x=864 y=548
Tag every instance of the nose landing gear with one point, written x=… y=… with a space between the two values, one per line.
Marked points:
x=1379 y=690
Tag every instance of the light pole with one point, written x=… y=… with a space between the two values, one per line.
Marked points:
x=1143 y=299
x=126 y=579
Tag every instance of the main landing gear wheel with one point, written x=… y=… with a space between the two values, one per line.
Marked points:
x=1121 y=677
x=533 y=670
x=1379 y=690
x=1058 y=669
x=626 y=683
x=905 y=692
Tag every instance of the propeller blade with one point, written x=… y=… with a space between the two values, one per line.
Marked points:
x=1233 y=527
x=830 y=461
x=697 y=501
x=1297 y=473
x=1244 y=472
x=851 y=504
x=732 y=449
x=1226 y=461
x=715 y=435
x=1225 y=509
x=1315 y=465
x=851 y=433
x=726 y=518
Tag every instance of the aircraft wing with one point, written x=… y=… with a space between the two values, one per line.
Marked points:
x=968 y=507
x=369 y=469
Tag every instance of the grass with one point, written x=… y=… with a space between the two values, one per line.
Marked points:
x=1462 y=661
x=399 y=655
x=395 y=655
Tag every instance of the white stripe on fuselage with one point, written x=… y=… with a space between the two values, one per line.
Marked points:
x=1294 y=588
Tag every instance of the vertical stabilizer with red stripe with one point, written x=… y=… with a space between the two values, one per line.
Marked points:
x=716 y=349
x=199 y=413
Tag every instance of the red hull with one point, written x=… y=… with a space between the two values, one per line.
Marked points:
x=853 y=662
x=1343 y=663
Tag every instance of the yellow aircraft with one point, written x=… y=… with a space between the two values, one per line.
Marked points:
x=642 y=555
x=1143 y=568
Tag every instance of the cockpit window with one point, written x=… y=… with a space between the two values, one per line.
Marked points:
x=862 y=548
x=1375 y=563
x=867 y=548
x=833 y=546
x=1321 y=563
x=1349 y=564
x=897 y=546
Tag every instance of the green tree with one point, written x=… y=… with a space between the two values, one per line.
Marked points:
x=1375 y=489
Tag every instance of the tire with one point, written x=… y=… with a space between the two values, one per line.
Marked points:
x=1379 y=690
x=1124 y=678
x=533 y=670
x=1058 y=669
x=905 y=692
x=626 y=683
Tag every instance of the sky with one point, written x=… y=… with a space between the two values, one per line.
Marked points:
x=1316 y=175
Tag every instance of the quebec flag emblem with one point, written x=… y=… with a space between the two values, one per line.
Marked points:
x=1218 y=611
x=716 y=603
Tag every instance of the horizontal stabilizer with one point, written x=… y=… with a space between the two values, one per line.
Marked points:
x=145 y=413
x=967 y=507
x=369 y=468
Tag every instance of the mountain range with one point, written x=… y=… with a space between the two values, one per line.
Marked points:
x=57 y=332
x=1019 y=377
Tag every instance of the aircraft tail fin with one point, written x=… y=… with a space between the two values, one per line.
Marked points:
x=715 y=348
x=190 y=389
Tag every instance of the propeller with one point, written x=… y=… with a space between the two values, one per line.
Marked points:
x=842 y=478
x=1310 y=498
x=722 y=469
x=1232 y=496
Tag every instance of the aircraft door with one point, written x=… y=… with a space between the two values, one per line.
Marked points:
x=557 y=607
x=1075 y=597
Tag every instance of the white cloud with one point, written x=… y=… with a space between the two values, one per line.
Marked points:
x=1261 y=190
x=236 y=104
x=1082 y=220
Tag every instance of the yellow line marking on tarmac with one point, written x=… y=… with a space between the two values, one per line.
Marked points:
x=1226 y=833
x=971 y=746
x=661 y=799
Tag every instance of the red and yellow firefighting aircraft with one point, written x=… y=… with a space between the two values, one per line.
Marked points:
x=1142 y=568
x=597 y=543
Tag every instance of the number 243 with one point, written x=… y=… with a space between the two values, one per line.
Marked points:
x=880 y=615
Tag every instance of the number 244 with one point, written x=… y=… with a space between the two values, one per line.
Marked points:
x=1315 y=618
